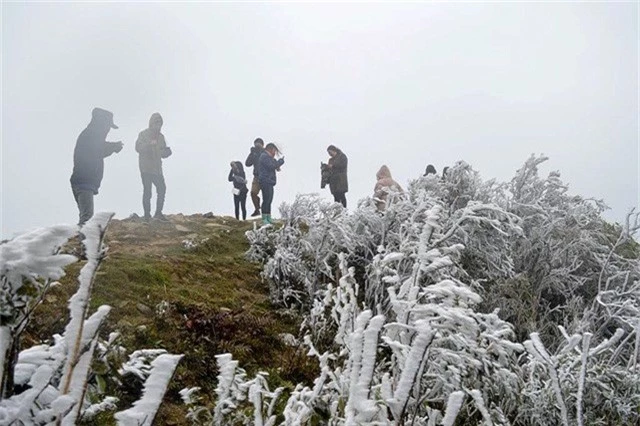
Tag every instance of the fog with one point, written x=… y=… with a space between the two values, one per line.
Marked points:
x=398 y=84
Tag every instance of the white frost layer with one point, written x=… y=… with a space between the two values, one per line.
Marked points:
x=144 y=410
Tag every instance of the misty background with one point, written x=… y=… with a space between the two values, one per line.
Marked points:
x=398 y=84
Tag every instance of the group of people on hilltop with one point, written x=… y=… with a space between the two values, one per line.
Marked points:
x=92 y=148
x=265 y=165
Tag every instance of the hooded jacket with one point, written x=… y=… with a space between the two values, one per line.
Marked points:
x=384 y=185
x=152 y=148
x=267 y=169
x=88 y=158
x=338 y=182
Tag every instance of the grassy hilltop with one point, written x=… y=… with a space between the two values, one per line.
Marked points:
x=186 y=287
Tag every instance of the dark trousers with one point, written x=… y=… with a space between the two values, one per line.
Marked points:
x=255 y=190
x=84 y=200
x=267 y=198
x=340 y=197
x=149 y=179
x=240 y=202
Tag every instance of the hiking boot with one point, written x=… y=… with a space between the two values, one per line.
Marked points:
x=255 y=213
x=146 y=218
x=265 y=221
x=160 y=217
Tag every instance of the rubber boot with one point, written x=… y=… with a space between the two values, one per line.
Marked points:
x=269 y=219
x=265 y=221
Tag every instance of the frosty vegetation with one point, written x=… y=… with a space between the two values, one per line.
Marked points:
x=465 y=302
x=52 y=383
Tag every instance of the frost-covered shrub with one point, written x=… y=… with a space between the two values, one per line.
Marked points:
x=30 y=264
x=415 y=314
x=50 y=383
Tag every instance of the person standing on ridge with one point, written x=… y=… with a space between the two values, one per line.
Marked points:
x=252 y=160
x=338 y=183
x=88 y=160
x=267 y=168
x=152 y=148
x=237 y=176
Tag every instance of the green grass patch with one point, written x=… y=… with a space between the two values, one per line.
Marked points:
x=216 y=303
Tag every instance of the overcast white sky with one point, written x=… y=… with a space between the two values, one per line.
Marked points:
x=401 y=84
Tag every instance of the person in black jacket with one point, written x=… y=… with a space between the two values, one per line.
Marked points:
x=267 y=168
x=88 y=160
x=430 y=170
x=237 y=176
x=252 y=160
x=338 y=182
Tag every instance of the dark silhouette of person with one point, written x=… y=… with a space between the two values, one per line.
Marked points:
x=338 y=182
x=88 y=160
x=430 y=170
x=152 y=148
x=252 y=160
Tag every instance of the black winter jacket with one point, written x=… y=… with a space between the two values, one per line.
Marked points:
x=253 y=159
x=338 y=182
x=88 y=159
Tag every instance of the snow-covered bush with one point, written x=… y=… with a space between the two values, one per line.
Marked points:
x=49 y=383
x=486 y=302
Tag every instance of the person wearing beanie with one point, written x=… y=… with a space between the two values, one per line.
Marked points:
x=252 y=160
x=267 y=168
x=430 y=170
x=88 y=160
x=152 y=148
x=237 y=176
x=338 y=182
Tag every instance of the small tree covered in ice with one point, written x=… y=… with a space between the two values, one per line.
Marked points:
x=48 y=383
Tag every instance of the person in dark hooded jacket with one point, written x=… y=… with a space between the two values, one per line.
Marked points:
x=88 y=160
x=239 y=179
x=152 y=148
x=338 y=182
x=431 y=170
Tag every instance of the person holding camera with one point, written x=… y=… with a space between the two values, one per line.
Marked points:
x=88 y=160
x=253 y=159
x=267 y=167
x=237 y=176
x=152 y=148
